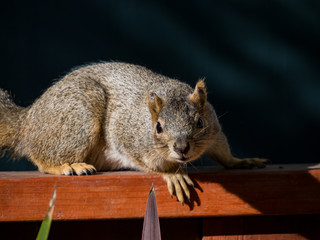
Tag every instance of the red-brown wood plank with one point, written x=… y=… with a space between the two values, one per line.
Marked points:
x=275 y=190
x=293 y=227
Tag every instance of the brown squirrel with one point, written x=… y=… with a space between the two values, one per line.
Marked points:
x=115 y=115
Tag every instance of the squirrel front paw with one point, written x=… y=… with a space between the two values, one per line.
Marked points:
x=178 y=183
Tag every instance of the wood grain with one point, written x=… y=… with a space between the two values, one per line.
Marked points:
x=293 y=227
x=275 y=190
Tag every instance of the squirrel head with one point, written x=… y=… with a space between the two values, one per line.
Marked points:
x=182 y=129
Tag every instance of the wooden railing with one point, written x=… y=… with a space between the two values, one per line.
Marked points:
x=280 y=200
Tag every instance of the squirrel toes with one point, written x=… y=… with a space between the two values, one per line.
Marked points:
x=114 y=115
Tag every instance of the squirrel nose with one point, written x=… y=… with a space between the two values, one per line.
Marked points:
x=181 y=147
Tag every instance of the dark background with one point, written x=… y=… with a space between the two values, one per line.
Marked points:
x=260 y=59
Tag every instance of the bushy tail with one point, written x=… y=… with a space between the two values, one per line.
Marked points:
x=10 y=117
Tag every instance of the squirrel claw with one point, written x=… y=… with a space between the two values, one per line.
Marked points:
x=91 y=171
x=178 y=183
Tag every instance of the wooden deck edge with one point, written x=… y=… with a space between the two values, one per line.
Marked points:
x=275 y=190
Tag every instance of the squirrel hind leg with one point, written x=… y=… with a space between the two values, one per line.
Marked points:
x=249 y=163
x=70 y=169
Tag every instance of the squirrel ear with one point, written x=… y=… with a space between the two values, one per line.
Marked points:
x=199 y=95
x=155 y=105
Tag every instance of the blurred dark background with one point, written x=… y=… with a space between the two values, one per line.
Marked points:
x=260 y=59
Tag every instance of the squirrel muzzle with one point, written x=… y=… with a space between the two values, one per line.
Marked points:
x=181 y=150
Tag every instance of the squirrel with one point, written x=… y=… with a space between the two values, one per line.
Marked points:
x=114 y=115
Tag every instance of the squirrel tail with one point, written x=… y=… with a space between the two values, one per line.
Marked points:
x=10 y=115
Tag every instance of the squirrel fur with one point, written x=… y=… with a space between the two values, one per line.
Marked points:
x=114 y=115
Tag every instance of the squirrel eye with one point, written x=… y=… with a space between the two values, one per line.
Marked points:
x=200 y=123
x=159 y=128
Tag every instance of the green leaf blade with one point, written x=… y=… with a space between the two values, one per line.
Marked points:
x=46 y=223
